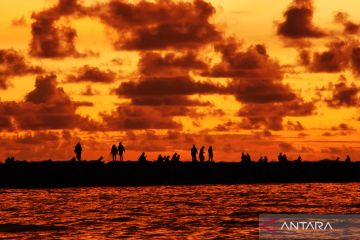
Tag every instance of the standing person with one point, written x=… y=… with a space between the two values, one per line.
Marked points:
x=113 y=152
x=202 y=154
x=211 y=154
x=194 y=152
x=77 y=151
x=121 y=150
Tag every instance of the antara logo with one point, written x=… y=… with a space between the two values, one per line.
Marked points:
x=322 y=226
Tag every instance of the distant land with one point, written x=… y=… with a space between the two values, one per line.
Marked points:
x=49 y=174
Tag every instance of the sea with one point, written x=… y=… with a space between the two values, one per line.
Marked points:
x=164 y=212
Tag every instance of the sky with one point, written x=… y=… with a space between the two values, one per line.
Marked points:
x=159 y=76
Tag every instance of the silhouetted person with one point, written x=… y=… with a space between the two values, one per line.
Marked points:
x=299 y=159
x=337 y=159
x=174 y=157
x=248 y=158
x=194 y=152
x=160 y=158
x=243 y=158
x=121 y=150
x=77 y=151
x=280 y=157
x=9 y=160
x=202 y=154
x=113 y=152
x=178 y=158
x=265 y=159
x=211 y=154
x=142 y=158
x=167 y=158
x=347 y=159
x=261 y=160
x=285 y=158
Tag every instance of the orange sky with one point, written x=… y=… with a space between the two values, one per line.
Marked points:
x=243 y=76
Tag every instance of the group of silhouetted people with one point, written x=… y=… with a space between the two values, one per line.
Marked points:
x=194 y=152
x=175 y=158
x=282 y=157
x=120 y=149
x=245 y=158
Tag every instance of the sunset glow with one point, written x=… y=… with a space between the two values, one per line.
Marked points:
x=242 y=76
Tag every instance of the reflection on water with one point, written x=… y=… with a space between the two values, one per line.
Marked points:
x=163 y=212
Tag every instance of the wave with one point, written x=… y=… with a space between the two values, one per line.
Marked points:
x=16 y=228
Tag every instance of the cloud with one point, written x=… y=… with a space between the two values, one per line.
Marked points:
x=19 y=22
x=252 y=63
x=334 y=59
x=343 y=95
x=349 y=26
x=170 y=64
x=340 y=55
x=140 y=117
x=38 y=137
x=50 y=39
x=271 y=115
x=165 y=80
x=45 y=107
x=256 y=82
x=12 y=64
x=149 y=25
x=297 y=126
x=92 y=74
x=342 y=129
x=89 y=91
x=166 y=86
x=287 y=147
x=298 y=21
x=176 y=100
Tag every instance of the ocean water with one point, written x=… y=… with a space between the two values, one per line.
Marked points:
x=164 y=212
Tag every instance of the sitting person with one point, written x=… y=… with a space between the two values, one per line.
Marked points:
x=142 y=158
x=160 y=158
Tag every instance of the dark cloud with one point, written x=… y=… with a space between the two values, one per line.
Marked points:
x=166 y=86
x=38 y=137
x=262 y=91
x=252 y=63
x=256 y=76
x=349 y=26
x=295 y=126
x=342 y=129
x=12 y=63
x=271 y=115
x=149 y=25
x=286 y=147
x=165 y=80
x=170 y=64
x=51 y=39
x=355 y=60
x=46 y=107
x=256 y=82
x=140 y=117
x=340 y=55
x=92 y=74
x=298 y=21
x=304 y=57
x=343 y=95
x=335 y=59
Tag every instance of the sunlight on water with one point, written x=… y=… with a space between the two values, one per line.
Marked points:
x=163 y=212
